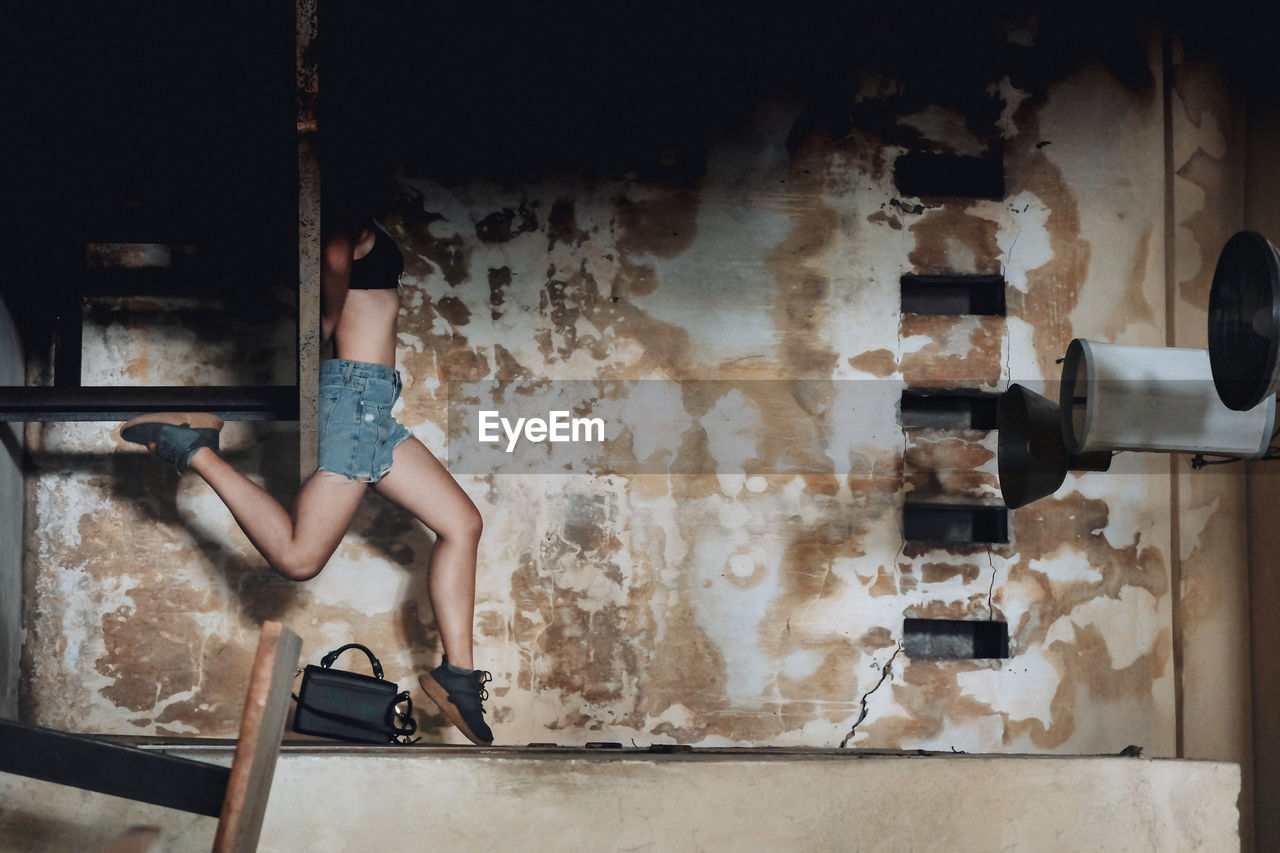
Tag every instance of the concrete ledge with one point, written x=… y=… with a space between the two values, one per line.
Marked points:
x=342 y=799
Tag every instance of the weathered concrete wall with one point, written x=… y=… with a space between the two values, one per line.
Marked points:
x=788 y=802
x=11 y=510
x=1262 y=214
x=752 y=591
x=1206 y=178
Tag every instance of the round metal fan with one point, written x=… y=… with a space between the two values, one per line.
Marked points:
x=1033 y=460
x=1244 y=321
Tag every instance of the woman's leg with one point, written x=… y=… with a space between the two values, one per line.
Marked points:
x=420 y=484
x=297 y=545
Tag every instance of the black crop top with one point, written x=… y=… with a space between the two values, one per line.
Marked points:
x=381 y=268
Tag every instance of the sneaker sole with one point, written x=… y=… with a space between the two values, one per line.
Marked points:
x=436 y=693
x=196 y=420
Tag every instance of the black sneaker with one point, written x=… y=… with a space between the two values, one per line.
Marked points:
x=459 y=695
x=174 y=436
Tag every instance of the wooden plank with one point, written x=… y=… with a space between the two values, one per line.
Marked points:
x=92 y=765
x=261 y=728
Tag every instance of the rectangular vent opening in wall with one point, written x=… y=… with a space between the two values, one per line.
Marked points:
x=925 y=174
x=955 y=639
x=949 y=409
x=949 y=524
x=953 y=294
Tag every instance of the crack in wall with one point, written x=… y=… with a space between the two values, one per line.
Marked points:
x=991 y=590
x=884 y=676
x=1004 y=271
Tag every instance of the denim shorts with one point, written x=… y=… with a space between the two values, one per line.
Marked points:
x=357 y=431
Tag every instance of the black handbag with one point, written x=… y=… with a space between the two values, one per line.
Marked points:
x=349 y=706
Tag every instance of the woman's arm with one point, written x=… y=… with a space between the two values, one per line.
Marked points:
x=335 y=279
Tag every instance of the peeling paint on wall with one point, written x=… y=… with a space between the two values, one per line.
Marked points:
x=755 y=597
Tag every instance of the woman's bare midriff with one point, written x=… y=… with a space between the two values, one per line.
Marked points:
x=367 y=329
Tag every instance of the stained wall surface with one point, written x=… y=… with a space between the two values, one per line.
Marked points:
x=730 y=567
x=1262 y=184
x=1206 y=128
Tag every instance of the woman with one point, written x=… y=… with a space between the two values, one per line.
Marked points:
x=360 y=444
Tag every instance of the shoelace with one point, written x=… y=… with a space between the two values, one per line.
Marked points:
x=483 y=677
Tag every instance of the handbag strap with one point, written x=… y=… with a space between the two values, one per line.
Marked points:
x=403 y=722
x=327 y=660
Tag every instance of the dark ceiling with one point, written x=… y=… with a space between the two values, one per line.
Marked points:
x=170 y=122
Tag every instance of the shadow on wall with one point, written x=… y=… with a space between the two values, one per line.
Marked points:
x=155 y=495
x=163 y=561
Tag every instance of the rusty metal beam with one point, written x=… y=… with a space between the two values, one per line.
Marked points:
x=116 y=403
x=308 y=391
